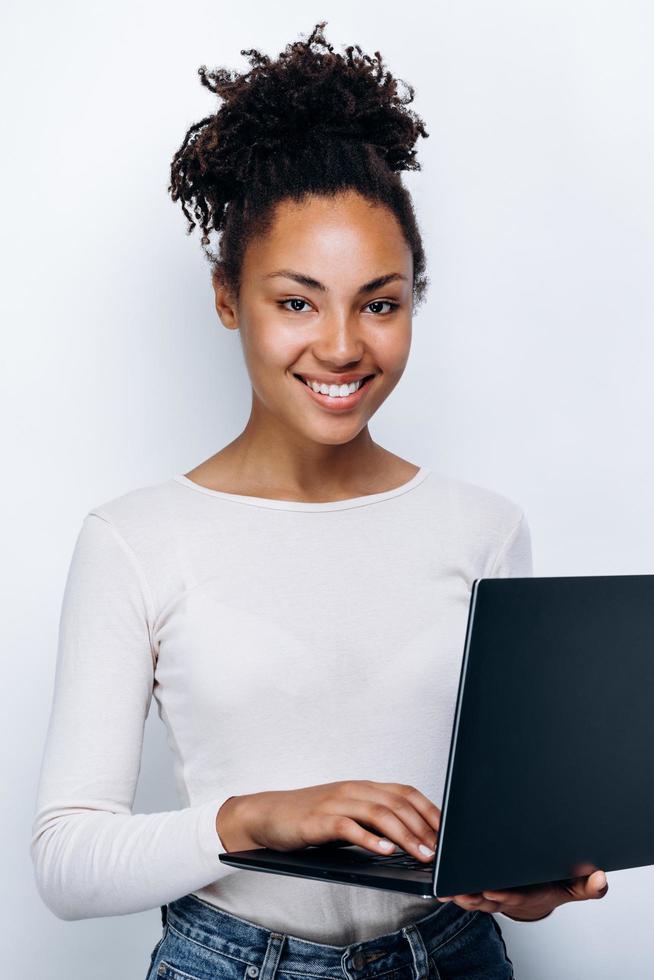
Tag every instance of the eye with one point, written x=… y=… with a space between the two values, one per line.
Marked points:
x=294 y=299
x=382 y=302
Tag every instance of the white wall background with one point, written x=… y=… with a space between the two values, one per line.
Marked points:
x=530 y=373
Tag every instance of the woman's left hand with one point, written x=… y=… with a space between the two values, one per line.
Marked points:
x=534 y=901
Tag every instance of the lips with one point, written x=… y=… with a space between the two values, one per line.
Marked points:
x=364 y=380
x=340 y=404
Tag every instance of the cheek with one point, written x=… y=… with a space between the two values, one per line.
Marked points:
x=392 y=352
x=272 y=349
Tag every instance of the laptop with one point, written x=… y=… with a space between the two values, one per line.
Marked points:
x=550 y=771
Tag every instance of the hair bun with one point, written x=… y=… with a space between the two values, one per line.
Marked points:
x=309 y=93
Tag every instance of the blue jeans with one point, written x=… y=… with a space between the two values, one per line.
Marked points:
x=202 y=942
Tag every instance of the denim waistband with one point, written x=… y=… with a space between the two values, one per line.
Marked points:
x=267 y=951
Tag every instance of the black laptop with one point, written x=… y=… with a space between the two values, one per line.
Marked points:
x=551 y=764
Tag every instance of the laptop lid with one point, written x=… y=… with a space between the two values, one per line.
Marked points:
x=551 y=766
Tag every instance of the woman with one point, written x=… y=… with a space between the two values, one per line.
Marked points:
x=296 y=604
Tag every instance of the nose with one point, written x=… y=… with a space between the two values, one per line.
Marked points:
x=339 y=341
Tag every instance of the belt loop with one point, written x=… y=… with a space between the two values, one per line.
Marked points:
x=272 y=956
x=418 y=952
x=345 y=960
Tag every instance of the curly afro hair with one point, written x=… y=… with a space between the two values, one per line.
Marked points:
x=310 y=122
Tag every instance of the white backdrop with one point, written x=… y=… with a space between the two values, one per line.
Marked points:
x=531 y=365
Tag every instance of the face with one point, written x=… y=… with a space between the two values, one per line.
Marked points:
x=326 y=297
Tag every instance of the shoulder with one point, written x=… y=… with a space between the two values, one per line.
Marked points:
x=475 y=519
x=477 y=507
x=133 y=505
x=141 y=516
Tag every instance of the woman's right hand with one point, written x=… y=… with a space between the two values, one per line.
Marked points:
x=356 y=811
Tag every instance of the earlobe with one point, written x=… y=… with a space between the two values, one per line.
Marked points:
x=227 y=318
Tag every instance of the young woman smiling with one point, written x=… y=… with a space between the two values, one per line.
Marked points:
x=296 y=604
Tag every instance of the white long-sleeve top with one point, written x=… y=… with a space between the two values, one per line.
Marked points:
x=286 y=644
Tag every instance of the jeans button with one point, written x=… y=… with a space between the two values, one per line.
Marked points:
x=253 y=971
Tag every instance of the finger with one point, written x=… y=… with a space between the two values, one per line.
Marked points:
x=338 y=826
x=594 y=885
x=515 y=897
x=410 y=805
x=481 y=901
x=386 y=823
x=497 y=896
x=597 y=884
x=476 y=902
x=421 y=803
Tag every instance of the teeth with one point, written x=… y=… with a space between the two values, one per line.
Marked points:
x=335 y=391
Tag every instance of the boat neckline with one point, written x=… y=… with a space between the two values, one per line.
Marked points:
x=306 y=505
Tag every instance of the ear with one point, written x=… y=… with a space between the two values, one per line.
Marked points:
x=225 y=303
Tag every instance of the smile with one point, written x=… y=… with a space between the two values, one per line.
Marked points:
x=334 y=396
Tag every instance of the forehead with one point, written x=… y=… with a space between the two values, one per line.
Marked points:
x=345 y=232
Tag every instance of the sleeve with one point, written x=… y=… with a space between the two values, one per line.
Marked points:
x=91 y=855
x=514 y=559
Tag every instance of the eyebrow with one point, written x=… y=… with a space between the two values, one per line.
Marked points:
x=310 y=283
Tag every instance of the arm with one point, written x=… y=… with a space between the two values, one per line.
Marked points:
x=92 y=856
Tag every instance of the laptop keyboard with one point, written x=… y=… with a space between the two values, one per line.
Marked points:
x=404 y=860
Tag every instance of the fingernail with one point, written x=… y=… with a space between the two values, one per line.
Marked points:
x=386 y=844
x=425 y=850
x=601 y=880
